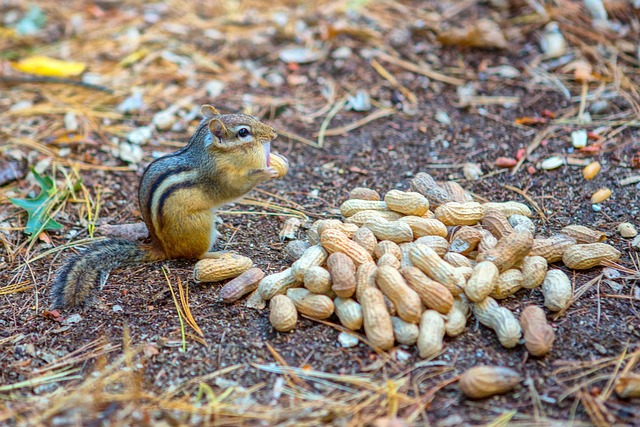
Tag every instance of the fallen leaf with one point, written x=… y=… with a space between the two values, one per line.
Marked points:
x=46 y=66
x=483 y=33
x=39 y=208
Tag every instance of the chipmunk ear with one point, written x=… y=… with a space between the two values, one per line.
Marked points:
x=218 y=129
x=208 y=111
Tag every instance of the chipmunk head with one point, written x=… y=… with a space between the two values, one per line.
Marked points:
x=229 y=131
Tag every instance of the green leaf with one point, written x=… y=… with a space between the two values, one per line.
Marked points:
x=38 y=208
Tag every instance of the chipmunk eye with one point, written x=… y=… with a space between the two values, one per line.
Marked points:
x=243 y=132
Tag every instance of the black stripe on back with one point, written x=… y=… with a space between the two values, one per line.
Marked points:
x=158 y=181
x=167 y=193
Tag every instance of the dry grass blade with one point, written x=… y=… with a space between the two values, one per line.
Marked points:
x=394 y=82
x=378 y=114
x=64 y=374
x=339 y=105
x=92 y=350
x=422 y=69
x=528 y=199
x=15 y=288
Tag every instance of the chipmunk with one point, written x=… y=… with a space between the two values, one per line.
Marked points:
x=227 y=156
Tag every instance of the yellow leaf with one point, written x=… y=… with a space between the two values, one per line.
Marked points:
x=134 y=57
x=45 y=66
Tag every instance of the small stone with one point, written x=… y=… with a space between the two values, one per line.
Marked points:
x=131 y=153
x=443 y=117
x=505 y=71
x=600 y=348
x=359 y=102
x=300 y=55
x=599 y=107
x=627 y=230
x=163 y=120
x=635 y=244
x=275 y=79
x=596 y=208
x=116 y=308
x=579 y=138
x=472 y=171
x=402 y=356
x=347 y=340
x=139 y=136
x=214 y=88
x=74 y=318
x=552 y=42
x=70 y=121
x=343 y=52
x=552 y=163
x=132 y=103
x=21 y=105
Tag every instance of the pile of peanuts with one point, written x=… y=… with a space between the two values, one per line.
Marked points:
x=410 y=268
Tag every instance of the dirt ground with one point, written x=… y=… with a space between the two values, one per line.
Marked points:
x=129 y=365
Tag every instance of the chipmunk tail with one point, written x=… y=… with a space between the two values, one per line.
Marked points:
x=84 y=274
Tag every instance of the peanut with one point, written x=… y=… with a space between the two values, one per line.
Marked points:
x=424 y=226
x=387 y=247
x=465 y=240
x=363 y=216
x=395 y=231
x=556 y=289
x=508 y=208
x=405 y=299
x=377 y=321
x=353 y=206
x=390 y=260
x=497 y=223
x=241 y=285
x=553 y=247
x=363 y=193
x=225 y=266
x=317 y=280
x=316 y=255
x=406 y=333
x=582 y=257
x=279 y=163
x=424 y=184
x=457 y=316
x=283 y=315
x=433 y=295
x=277 y=283
x=409 y=203
x=295 y=249
x=456 y=192
x=405 y=261
x=466 y=272
x=500 y=319
x=365 y=238
x=482 y=281
x=312 y=233
x=343 y=274
x=487 y=243
x=336 y=241
x=348 y=229
x=509 y=251
x=456 y=259
x=365 y=278
x=534 y=269
x=521 y=222
x=289 y=229
x=437 y=243
x=349 y=312
x=431 y=334
x=427 y=260
x=584 y=234
x=538 y=334
x=508 y=283
x=310 y=304
x=454 y=213
x=628 y=386
x=485 y=381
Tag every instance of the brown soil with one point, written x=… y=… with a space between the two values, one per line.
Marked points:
x=384 y=154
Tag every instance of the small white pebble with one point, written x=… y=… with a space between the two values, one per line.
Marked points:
x=130 y=153
x=74 y=318
x=163 y=120
x=402 y=356
x=139 y=136
x=70 y=121
x=116 y=308
x=347 y=340
x=596 y=208
x=579 y=138
x=443 y=117
x=214 y=88
x=627 y=230
x=552 y=163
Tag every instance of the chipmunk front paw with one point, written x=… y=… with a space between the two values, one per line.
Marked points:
x=265 y=174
